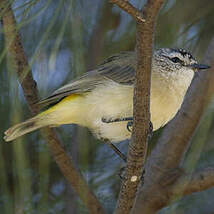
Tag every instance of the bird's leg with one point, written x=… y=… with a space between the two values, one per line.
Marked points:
x=129 y=119
x=112 y=146
x=113 y=120
x=116 y=150
x=129 y=127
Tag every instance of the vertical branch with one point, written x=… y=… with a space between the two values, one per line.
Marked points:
x=21 y=66
x=141 y=127
x=16 y=51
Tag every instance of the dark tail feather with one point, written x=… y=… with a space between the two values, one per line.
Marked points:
x=23 y=128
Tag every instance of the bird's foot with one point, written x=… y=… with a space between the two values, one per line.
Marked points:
x=121 y=173
x=129 y=126
x=150 y=134
x=116 y=150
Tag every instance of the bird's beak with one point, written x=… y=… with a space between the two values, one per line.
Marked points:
x=196 y=66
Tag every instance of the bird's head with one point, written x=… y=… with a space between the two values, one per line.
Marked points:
x=176 y=61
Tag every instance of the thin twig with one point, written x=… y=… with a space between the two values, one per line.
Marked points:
x=130 y=9
x=18 y=57
x=141 y=128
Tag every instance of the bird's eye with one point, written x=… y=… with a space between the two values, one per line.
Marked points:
x=175 y=59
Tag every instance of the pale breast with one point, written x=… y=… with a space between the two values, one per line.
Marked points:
x=167 y=94
x=164 y=105
x=110 y=101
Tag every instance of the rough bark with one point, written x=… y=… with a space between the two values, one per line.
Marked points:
x=198 y=181
x=141 y=127
x=130 y=9
x=19 y=60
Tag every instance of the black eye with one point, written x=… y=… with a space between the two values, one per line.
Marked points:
x=175 y=59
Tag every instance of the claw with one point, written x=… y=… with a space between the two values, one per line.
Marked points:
x=122 y=173
x=150 y=126
x=129 y=126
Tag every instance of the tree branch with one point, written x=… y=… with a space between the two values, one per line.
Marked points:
x=18 y=57
x=130 y=9
x=141 y=128
x=198 y=181
x=166 y=156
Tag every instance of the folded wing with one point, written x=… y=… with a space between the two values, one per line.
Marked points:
x=118 y=68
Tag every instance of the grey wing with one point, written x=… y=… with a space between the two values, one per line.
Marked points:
x=118 y=68
x=79 y=86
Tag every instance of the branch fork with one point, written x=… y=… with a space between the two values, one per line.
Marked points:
x=130 y=9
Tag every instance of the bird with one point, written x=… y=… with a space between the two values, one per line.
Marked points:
x=102 y=99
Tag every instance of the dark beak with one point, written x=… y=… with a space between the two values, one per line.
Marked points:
x=199 y=66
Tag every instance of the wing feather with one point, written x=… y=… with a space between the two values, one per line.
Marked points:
x=119 y=68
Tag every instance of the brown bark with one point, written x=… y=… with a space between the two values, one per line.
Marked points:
x=130 y=9
x=19 y=60
x=198 y=181
x=141 y=128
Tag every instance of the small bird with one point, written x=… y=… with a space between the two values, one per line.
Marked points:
x=102 y=99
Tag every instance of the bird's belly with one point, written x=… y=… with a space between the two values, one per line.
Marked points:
x=163 y=107
x=110 y=101
x=114 y=132
x=114 y=101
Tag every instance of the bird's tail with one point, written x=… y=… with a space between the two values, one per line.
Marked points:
x=64 y=112
x=29 y=125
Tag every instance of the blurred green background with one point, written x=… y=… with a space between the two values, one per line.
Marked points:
x=62 y=40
